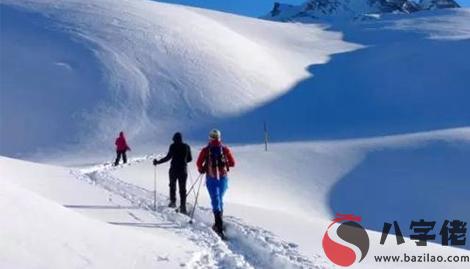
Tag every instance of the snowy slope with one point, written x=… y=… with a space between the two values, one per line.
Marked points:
x=169 y=242
x=148 y=72
x=123 y=196
x=96 y=67
x=294 y=189
x=141 y=67
x=387 y=87
x=314 y=180
x=300 y=185
x=39 y=232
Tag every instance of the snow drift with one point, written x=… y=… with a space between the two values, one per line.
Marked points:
x=408 y=77
x=150 y=69
x=144 y=67
x=75 y=73
x=37 y=231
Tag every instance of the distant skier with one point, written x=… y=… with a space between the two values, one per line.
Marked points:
x=121 y=148
x=215 y=160
x=180 y=155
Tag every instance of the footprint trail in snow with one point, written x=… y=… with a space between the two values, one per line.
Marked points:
x=247 y=246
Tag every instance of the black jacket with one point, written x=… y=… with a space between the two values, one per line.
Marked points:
x=180 y=155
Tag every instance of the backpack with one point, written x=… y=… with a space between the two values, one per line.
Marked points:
x=216 y=157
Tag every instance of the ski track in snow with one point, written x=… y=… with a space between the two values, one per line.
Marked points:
x=247 y=246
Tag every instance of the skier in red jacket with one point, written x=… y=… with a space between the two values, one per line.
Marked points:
x=215 y=161
x=121 y=148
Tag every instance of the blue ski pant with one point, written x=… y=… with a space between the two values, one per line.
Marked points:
x=216 y=188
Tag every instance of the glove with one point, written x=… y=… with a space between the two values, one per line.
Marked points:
x=155 y=162
x=201 y=170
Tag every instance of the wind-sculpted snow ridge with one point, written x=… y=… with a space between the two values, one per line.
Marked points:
x=154 y=67
x=247 y=246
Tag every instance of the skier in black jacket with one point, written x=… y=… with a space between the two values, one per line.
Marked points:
x=180 y=155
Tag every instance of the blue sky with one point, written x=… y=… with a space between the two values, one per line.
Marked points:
x=253 y=8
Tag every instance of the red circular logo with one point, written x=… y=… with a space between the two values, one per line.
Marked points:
x=345 y=241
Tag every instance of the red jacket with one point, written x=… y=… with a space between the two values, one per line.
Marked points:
x=121 y=144
x=204 y=163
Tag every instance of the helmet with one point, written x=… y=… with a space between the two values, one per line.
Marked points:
x=215 y=134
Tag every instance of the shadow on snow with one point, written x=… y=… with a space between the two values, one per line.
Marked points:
x=401 y=82
x=431 y=182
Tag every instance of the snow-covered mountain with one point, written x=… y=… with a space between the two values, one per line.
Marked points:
x=220 y=69
x=314 y=9
x=437 y=4
x=140 y=67
x=366 y=117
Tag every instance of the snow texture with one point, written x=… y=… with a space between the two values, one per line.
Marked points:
x=374 y=108
x=145 y=69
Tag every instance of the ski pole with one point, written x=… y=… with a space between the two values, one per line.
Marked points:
x=155 y=188
x=192 y=186
x=195 y=201
x=192 y=180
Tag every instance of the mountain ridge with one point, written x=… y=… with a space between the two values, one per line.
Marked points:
x=316 y=9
